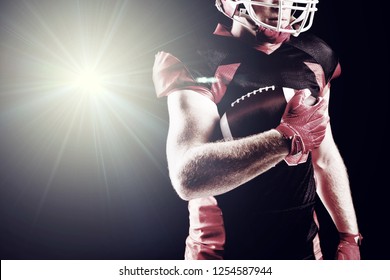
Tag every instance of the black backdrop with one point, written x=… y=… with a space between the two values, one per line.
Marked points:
x=144 y=218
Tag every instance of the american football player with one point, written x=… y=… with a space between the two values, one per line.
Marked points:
x=250 y=144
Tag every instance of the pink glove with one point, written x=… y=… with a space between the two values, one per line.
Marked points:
x=305 y=125
x=348 y=248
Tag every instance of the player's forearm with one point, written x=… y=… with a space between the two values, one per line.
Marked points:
x=334 y=191
x=216 y=168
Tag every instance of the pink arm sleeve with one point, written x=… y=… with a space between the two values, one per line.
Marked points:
x=170 y=74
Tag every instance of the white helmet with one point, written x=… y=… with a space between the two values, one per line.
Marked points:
x=302 y=12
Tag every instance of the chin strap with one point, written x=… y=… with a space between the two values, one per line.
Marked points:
x=264 y=34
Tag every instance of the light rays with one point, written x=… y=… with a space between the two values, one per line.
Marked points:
x=73 y=93
x=89 y=80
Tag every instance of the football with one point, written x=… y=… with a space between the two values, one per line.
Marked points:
x=257 y=111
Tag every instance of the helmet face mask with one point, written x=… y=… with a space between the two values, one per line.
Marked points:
x=300 y=13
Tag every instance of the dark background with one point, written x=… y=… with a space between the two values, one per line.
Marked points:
x=142 y=217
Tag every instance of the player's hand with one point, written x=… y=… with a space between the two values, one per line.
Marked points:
x=305 y=125
x=348 y=248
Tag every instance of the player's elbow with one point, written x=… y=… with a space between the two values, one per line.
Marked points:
x=184 y=194
x=184 y=185
x=183 y=190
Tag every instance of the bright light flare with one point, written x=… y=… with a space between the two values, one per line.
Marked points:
x=89 y=81
x=76 y=100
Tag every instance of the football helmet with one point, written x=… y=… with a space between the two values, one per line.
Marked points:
x=243 y=11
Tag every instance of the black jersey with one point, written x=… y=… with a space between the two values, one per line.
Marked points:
x=271 y=216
